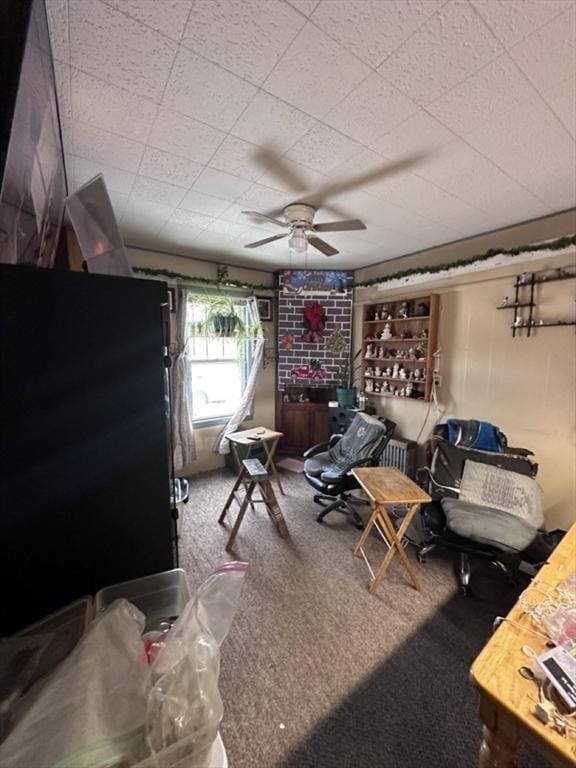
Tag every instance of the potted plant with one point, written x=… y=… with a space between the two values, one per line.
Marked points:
x=222 y=318
x=345 y=390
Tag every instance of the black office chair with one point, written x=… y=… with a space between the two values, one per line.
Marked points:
x=473 y=529
x=328 y=465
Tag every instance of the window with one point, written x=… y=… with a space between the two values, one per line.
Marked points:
x=219 y=366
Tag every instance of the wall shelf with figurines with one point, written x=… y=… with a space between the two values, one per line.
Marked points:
x=525 y=297
x=399 y=340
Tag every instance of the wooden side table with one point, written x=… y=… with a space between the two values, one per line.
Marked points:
x=249 y=439
x=387 y=486
x=507 y=699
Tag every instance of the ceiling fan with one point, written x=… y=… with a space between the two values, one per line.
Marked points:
x=301 y=229
x=299 y=216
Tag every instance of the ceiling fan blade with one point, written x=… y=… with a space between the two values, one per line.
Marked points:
x=322 y=246
x=258 y=215
x=340 y=226
x=258 y=243
x=273 y=163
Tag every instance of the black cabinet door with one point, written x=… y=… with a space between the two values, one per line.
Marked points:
x=84 y=471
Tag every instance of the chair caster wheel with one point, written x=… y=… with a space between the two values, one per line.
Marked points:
x=319 y=519
x=465 y=590
x=421 y=559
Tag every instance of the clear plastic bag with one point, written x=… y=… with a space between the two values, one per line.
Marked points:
x=92 y=710
x=185 y=703
x=106 y=707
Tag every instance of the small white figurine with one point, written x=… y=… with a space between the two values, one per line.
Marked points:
x=388 y=371
x=381 y=352
x=402 y=310
x=369 y=386
x=369 y=351
x=417 y=374
x=402 y=373
x=385 y=386
x=386 y=333
x=395 y=369
x=411 y=354
x=408 y=390
x=504 y=302
x=377 y=372
x=518 y=323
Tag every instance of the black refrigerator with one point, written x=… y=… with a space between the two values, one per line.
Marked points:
x=84 y=438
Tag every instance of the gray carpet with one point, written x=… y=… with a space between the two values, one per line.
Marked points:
x=317 y=672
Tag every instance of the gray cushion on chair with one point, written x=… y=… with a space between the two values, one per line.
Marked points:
x=485 y=525
x=322 y=466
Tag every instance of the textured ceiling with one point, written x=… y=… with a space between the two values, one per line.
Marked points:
x=173 y=101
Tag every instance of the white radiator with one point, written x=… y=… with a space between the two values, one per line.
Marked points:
x=402 y=455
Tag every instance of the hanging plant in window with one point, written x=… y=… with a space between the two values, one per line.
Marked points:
x=222 y=318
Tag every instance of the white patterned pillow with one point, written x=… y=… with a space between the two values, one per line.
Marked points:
x=497 y=488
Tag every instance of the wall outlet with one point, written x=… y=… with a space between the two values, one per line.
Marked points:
x=437 y=378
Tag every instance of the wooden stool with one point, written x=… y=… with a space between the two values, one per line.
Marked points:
x=253 y=475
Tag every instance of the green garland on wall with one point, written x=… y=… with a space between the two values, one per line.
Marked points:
x=228 y=282
x=553 y=245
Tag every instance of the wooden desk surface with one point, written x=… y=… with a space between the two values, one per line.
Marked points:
x=245 y=436
x=495 y=671
x=387 y=485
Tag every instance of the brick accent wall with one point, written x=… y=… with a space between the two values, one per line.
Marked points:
x=338 y=311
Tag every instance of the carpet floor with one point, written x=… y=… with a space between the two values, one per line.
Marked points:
x=318 y=673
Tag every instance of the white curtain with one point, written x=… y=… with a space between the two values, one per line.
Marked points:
x=184 y=442
x=256 y=344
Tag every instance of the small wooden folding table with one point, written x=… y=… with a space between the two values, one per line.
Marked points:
x=249 y=439
x=387 y=486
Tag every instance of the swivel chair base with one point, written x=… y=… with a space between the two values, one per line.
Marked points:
x=343 y=504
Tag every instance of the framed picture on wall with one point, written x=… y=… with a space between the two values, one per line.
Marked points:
x=264 y=307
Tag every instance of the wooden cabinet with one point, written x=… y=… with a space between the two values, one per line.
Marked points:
x=399 y=340
x=303 y=425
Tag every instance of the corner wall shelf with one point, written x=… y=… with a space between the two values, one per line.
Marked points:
x=528 y=281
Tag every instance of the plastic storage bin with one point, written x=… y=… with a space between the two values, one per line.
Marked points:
x=159 y=596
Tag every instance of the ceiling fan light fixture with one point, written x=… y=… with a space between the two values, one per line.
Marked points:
x=298 y=242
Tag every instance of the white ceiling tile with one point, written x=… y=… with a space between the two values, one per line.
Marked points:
x=323 y=149
x=206 y=92
x=538 y=152
x=562 y=99
x=175 y=235
x=191 y=219
x=232 y=230
x=549 y=55
x=288 y=176
x=270 y=122
x=444 y=51
x=110 y=108
x=220 y=184
x=154 y=191
x=515 y=19
x=168 y=16
x=63 y=91
x=183 y=136
x=237 y=157
x=115 y=48
x=198 y=202
x=465 y=173
x=101 y=146
x=420 y=134
x=263 y=198
x=164 y=166
x=315 y=73
x=304 y=6
x=373 y=29
x=57 y=12
x=83 y=170
x=144 y=216
x=484 y=97
x=246 y=37
x=372 y=108
x=118 y=200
